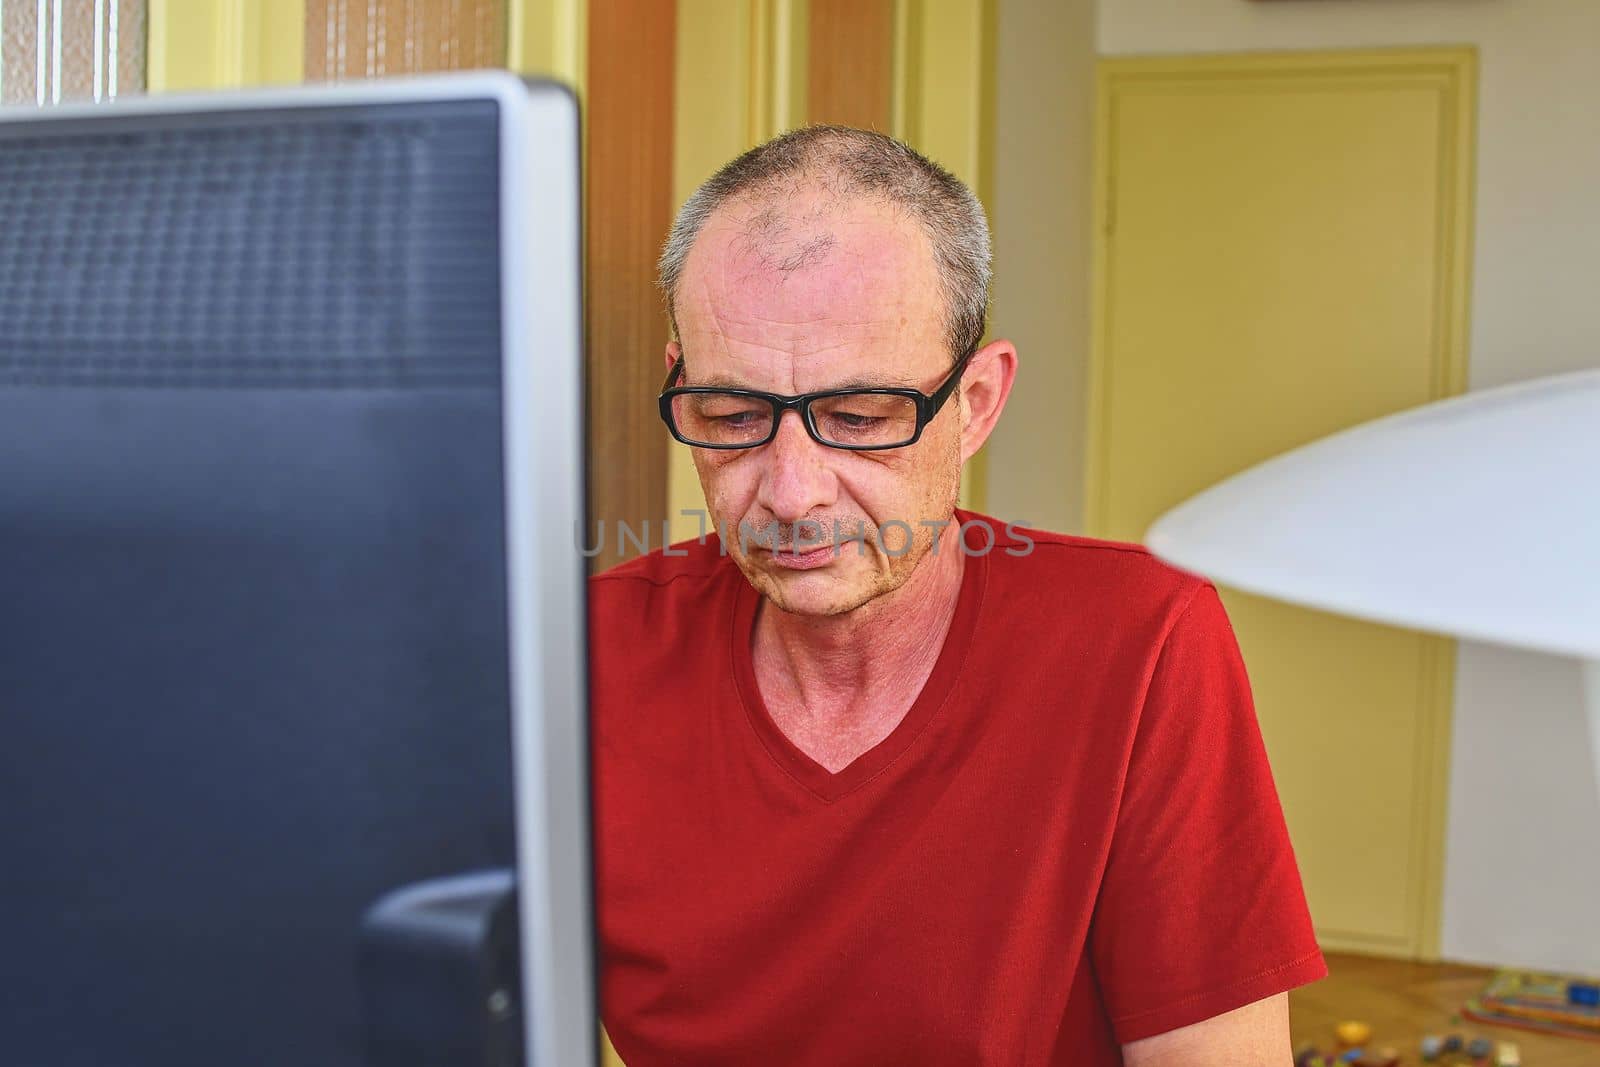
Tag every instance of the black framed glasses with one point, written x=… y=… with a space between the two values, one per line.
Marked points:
x=859 y=420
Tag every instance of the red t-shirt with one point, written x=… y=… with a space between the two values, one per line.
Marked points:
x=1072 y=840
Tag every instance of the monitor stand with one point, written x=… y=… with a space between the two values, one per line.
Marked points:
x=440 y=974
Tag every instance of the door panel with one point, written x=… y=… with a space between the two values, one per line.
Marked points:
x=1282 y=254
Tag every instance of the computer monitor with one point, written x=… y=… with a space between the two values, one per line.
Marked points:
x=292 y=660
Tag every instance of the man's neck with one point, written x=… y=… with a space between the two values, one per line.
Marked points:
x=837 y=685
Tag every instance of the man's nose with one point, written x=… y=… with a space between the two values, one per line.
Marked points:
x=795 y=481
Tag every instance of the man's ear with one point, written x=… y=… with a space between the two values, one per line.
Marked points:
x=985 y=384
x=674 y=350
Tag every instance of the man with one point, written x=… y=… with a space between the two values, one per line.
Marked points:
x=939 y=791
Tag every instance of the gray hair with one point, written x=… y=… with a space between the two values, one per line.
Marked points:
x=847 y=162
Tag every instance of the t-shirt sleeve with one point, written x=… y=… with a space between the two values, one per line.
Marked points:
x=1201 y=909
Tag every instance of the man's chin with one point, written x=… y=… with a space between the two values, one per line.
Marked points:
x=834 y=589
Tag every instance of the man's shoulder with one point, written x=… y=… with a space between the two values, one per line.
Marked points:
x=1114 y=577
x=684 y=567
x=647 y=615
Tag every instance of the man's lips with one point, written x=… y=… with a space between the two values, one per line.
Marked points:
x=806 y=560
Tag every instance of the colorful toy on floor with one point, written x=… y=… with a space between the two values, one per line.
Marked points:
x=1354 y=1033
x=1450 y=1049
x=1311 y=1057
x=1548 y=1003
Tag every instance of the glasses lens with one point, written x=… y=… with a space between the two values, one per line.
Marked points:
x=720 y=420
x=871 y=420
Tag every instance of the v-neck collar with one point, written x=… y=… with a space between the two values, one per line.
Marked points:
x=826 y=784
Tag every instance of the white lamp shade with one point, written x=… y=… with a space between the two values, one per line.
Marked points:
x=1477 y=516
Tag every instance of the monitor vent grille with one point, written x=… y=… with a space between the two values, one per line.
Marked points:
x=329 y=248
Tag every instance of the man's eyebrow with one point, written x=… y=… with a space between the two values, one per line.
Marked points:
x=875 y=383
x=716 y=381
x=722 y=381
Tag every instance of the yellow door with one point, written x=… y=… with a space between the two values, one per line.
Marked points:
x=1282 y=253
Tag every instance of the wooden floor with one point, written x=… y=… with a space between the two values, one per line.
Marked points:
x=1403 y=1001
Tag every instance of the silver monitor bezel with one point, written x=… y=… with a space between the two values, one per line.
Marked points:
x=543 y=398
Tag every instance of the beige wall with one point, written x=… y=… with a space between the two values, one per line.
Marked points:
x=1039 y=203
x=1523 y=850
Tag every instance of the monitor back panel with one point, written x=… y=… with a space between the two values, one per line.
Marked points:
x=253 y=643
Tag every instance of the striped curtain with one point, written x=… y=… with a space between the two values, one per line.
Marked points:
x=371 y=38
x=53 y=51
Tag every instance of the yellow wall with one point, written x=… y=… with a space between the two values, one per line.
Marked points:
x=550 y=38
x=943 y=84
x=222 y=44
